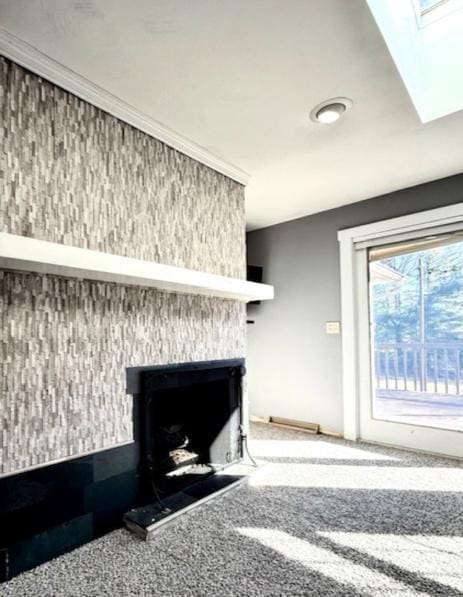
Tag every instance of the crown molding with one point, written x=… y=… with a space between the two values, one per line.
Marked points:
x=22 y=53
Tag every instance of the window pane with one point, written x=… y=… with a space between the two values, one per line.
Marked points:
x=416 y=311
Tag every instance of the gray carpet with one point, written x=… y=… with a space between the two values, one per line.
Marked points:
x=323 y=517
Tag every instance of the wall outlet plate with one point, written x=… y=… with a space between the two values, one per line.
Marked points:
x=333 y=327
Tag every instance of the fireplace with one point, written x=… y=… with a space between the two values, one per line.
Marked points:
x=188 y=422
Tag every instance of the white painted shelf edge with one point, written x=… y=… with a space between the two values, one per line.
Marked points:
x=32 y=255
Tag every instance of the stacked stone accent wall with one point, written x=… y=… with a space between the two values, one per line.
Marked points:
x=73 y=174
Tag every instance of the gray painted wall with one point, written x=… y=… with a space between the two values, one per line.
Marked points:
x=294 y=367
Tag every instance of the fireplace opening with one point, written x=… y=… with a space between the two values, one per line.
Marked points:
x=190 y=418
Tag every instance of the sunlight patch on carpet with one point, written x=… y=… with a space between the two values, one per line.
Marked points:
x=272 y=448
x=334 y=476
x=432 y=556
x=329 y=564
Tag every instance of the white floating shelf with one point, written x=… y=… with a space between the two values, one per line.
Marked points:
x=39 y=256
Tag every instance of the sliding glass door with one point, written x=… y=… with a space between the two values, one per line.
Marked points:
x=411 y=335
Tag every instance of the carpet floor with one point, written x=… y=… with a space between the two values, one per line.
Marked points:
x=322 y=517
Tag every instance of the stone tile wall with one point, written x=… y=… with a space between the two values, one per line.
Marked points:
x=73 y=174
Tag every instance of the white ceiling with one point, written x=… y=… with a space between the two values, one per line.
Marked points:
x=239 y=77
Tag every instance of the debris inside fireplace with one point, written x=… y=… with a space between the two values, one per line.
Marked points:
x=181 y=457
x=176 y=461
x=175 y=454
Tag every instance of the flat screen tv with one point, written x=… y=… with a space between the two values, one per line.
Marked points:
x=254 y=274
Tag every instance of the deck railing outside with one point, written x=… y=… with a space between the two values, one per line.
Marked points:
x=433 y=367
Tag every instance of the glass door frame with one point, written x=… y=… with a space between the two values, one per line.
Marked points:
x=356 y=349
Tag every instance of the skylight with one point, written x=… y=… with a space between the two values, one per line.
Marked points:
x=429 y=11
x=425 y=40
x=426 y=5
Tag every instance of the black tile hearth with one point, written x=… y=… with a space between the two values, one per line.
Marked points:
x=50 y=510
x=37 y=549
x=107 y=500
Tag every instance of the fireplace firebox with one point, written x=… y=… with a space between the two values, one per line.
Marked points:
x=190 y=418
x=188 y=422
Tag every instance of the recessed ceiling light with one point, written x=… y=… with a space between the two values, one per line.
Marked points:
x=330 y=110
